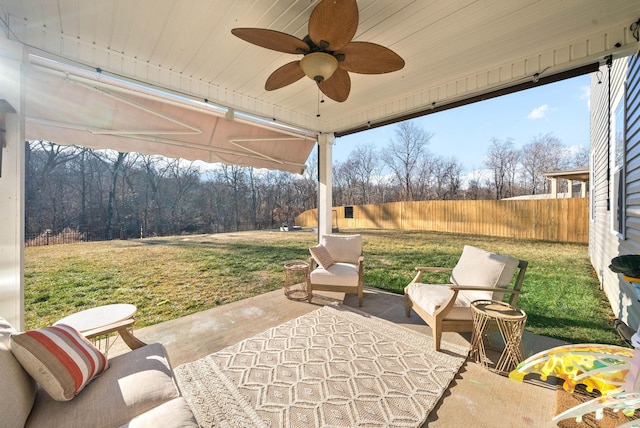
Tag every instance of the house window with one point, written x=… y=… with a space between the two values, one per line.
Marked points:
x=348 y=212
x=618 y=202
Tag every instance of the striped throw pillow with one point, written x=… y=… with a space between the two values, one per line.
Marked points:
x=59 y=358
x=321 y=256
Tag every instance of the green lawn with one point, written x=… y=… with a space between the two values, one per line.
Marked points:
x=174 y=276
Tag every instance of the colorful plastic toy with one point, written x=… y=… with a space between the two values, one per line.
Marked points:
x=612 y=370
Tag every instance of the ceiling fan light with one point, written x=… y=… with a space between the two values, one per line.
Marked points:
x=319 y=66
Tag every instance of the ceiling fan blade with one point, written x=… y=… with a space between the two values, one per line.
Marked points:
x=369 y=58
x=270 y=39
x=285 y=75
x=334 y=23
x=337 y=87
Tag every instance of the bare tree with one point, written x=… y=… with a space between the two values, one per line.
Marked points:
x=234 y=177
x=545 y=153
x=502 y=160
x=154 y=171
x=366 y=167
x=344 y=180
x=111 y=205
x=579 y=157
x=406 y=155
x=44 y=202
x=182 y=194
x=310 y=181
x=478 y=186
x=446 y=177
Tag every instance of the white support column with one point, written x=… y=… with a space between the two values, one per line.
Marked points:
x=325 y=183
x=12 y=214
x=554 y=187
x=570 y=188
x=583 y=189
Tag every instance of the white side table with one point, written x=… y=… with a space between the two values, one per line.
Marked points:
x=103 y=320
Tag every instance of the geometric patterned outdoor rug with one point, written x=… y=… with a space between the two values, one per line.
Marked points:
x=331 y=367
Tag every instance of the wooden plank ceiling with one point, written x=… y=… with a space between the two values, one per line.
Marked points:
x=453 y=49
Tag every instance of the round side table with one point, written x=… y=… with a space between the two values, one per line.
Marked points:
x=510 y=322
x=99 y=323
x=295 y=279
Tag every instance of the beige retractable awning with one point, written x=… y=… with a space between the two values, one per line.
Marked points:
x=71 y=106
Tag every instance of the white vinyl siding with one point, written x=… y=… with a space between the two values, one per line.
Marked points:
x=615 y=173
x=618 y=172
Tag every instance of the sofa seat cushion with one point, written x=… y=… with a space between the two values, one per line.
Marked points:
x=431 y=296
x=172 y=414
x=18 y=388
x=342 y=274
x=135 y=383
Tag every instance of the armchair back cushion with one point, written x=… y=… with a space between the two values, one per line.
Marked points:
x=343 y=248
x=478 y=267
x=18 y=390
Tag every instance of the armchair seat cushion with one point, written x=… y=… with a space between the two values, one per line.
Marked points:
x=341 y=274
x=431 y=296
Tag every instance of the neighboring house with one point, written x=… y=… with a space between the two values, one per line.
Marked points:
x=615 y=179
x=574 y=175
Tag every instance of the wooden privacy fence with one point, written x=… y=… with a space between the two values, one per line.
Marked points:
x=558 y=220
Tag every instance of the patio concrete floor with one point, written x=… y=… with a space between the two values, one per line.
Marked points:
x=476 y=398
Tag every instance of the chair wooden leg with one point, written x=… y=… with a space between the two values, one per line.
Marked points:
x=360 y=295
x=437 y=336
x=128 y=338
x=309 y=291
x=407 y=305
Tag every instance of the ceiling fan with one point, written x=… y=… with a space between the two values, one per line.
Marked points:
x=329 y=53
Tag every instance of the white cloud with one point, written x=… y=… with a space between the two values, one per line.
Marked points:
x=481 y=176
x=585 y=94
x=539 y=112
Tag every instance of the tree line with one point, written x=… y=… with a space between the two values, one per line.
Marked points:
x=102 y=194
x=127 y=195
x=405 y=170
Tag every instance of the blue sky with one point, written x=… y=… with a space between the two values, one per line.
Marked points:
x=560 y=108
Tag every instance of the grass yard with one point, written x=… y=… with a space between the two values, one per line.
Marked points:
x=174 y=276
